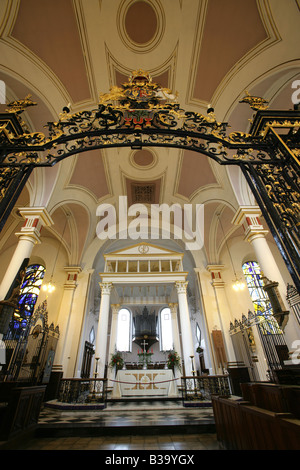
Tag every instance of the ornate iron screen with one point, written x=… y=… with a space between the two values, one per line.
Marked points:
x=142 y=114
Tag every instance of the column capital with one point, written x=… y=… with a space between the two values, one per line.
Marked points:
x=35 y=219
x=173 y=305
x=249 y=218
x=173 y=308
x=37 y=212
x=181 y=286
x=106 y=287
x=216 y=276
x=115 y=308
x=72 y=274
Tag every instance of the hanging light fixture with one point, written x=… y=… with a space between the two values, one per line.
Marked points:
x=237 y=284
x=50 y=286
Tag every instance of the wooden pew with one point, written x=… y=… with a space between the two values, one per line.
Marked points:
x=241 y=425
x=21 y=413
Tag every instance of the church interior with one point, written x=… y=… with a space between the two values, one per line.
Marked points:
x=146 y=283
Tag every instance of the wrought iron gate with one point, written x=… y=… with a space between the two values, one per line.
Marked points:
x=142 y=114
x=243 y=345
x=293 y=298
x=30 y=351
x=272 y=341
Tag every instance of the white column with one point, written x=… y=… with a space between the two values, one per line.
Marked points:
x=175 y=330
x=224 y=316
x=248 y=216
x=113 y=338
x=101 y=340
x=29 y=236
x=64 y=318
x=186 y=330
x=176 y=338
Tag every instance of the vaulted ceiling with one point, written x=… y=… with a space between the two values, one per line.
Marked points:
x=210 y=51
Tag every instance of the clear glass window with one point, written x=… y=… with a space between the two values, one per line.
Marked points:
x=166 y=335
x=124 y=330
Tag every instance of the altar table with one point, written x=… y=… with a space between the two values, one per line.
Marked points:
x=139 y=383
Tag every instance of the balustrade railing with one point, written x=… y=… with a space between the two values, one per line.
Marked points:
x=203 y=387
x=82 y=391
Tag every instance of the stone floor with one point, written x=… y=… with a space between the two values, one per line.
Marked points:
x=127 y=425
x=168 y=442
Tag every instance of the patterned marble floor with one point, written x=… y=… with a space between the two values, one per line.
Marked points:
x=122 y=417
x=164 y=427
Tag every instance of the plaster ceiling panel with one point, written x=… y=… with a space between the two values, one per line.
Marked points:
x=50 y=175
x=49 y=29
x=143 y=159
x=231 y=30
x=283 y=99
x=141 y=22
x=59 y=225
x=81 y=218
x=275 y=88
x=143 y=192
x=224 y=226
x=209 y=213
x=217 y=223
x=89 y=173
x=196 y=172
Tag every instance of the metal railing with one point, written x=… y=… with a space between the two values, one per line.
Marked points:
x=81 y=391
x=204 y=386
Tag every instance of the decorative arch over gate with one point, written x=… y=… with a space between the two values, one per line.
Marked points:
x=140 y=114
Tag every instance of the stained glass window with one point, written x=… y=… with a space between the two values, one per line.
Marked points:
x=29 y=292
x=255 y=284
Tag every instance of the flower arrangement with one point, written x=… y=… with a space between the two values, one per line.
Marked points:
x=173 y=360
x=116 y=361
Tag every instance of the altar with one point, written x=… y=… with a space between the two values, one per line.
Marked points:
x=145 y=383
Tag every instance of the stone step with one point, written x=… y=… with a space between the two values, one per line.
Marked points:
x=123 y=417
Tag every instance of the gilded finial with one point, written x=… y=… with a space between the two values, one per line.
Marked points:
x=255 y=102
x=18 y=106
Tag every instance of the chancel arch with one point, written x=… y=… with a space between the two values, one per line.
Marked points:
x=144 y=276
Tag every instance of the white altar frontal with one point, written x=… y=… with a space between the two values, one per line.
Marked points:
x=145 y=383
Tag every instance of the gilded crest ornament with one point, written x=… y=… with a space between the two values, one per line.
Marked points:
x=138 y=92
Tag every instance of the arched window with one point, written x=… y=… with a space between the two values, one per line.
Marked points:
x=255 y=284
x=29 y=293
x=124 y=330
x=166 y=336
